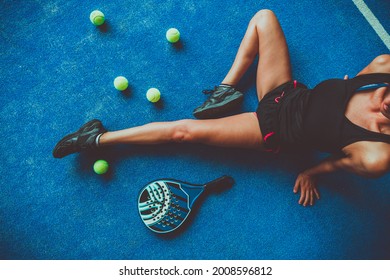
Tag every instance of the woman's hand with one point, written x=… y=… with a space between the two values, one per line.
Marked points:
x=308 y=186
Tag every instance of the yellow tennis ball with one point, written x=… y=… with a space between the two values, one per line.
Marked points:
x=121 y=83
x=97 y=17
x=173 y=35
x=100 y=166
x=153 y=95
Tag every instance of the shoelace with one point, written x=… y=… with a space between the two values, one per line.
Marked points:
x=209 y=91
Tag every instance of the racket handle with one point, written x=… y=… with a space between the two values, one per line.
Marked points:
x=220 y=181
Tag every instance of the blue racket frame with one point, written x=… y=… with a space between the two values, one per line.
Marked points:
x=165 y=204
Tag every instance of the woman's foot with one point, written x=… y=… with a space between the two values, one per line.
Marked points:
x=84 y=139
x=222 y=99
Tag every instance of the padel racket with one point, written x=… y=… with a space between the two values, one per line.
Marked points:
x=165 y=204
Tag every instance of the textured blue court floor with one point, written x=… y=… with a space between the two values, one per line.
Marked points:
x=57 y=72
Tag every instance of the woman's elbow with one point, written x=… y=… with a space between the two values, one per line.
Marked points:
x=376 y=168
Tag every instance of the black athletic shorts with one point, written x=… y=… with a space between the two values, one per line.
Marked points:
x=280 y=114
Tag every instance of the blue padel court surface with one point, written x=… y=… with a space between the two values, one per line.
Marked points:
x=57 y=72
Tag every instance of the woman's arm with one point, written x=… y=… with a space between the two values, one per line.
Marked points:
x=369 y=165
x=307 y=180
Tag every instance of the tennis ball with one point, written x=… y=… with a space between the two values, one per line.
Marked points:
x=100 y=166
x=173 y=35
x=121 y=83
x=153 y=95
x=97 y=17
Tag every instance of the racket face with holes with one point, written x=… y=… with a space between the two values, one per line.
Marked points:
x=165 y=204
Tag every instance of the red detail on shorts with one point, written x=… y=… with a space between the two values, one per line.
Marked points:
x=276 y=150
x=268 y=135
x=295 y=83
x=278 y=98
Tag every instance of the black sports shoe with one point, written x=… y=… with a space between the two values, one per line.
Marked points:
x=81 y=140
x=222 y=99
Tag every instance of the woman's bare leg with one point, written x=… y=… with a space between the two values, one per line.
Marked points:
x=380 y=64
x=248 y=50
x=264 y=37
x=235 y=131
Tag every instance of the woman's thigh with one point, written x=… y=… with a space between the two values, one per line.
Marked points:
x=274 y=66
x=240 y=130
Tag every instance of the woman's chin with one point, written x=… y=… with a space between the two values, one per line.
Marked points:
x=386 y=111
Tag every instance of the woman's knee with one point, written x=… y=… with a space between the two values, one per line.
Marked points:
x=382 y=63
x=382 y=59
x=183 y=131
x=263 y=18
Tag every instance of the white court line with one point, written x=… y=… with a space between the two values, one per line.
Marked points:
x=373 y=21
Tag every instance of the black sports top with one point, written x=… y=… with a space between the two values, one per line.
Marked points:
x=325 y=125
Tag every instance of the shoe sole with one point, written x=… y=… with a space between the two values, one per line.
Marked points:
x=69 y=136
x=216 y=111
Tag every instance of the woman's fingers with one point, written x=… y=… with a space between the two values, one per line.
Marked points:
x=311 y=198
x=309 y=192
x=302 y=198
x=296 y=187
x=317 y=193
x=307 y=197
